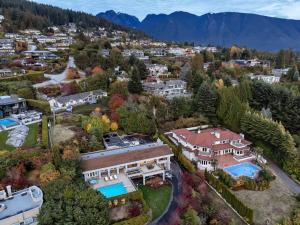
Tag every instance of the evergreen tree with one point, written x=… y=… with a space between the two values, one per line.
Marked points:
x=134 y=84
x=205 y=101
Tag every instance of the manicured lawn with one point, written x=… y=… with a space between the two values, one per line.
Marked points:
x=157 y=199
x=3 y=145
x=29 y=142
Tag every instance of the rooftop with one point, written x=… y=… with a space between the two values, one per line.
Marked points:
x=4 y=100
x=207 y=137
x=108 y=158
x=21 y=201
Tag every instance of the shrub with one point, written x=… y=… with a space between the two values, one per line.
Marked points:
x=40 y=105
x=139 y=220
x=45 y=131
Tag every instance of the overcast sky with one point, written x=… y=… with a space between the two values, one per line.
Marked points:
x=140 y=8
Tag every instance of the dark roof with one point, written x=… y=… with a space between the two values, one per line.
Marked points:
x=7 y=100
x=126 y=157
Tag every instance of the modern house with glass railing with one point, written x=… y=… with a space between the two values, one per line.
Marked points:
x=111 y=167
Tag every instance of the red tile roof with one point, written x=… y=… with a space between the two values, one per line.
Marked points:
x=207 y=137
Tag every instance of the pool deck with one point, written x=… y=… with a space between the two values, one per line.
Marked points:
x=122 y=178
x=230 y=160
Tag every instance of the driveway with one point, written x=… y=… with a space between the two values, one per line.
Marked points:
x=292 y=185
x=176 y=183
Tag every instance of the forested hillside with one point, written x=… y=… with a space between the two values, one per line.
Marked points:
x=22 y=14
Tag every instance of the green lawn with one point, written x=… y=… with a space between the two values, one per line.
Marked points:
x=157 y=199
x=29 y=142
x=86 y=109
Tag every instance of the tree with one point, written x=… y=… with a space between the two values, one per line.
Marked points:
x=190 y=217
x=205 y=101
x=197 y=63
x=67 y=203
x=134 y=84
x=295 y=75
x=26 y=93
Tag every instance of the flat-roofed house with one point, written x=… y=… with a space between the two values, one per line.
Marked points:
x=133 y=162
x=21 y=207
x=11 y=105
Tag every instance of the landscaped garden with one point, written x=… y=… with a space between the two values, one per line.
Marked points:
x=157 y=199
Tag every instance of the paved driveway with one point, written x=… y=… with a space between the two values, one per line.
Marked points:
x=293 y=186
x=176 y=183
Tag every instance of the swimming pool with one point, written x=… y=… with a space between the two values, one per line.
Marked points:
x=113 y=190
x=8 y=122
x=243 y=169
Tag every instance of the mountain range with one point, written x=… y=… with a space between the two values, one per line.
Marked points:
x=223 y=29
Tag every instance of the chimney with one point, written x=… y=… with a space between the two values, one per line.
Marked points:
x=8 y=190
x=199 y=131
x=217 y=134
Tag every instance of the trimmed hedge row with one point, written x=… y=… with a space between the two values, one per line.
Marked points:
x=45 y=131
x=34 y=77
x=239 y=206
x=38 y=104
x=139 y=220
x=177 y=150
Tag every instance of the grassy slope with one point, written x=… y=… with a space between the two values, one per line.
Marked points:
x=157 y=199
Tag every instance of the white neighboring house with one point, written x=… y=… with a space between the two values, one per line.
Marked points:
x=63 y=102
x=21 y=207
x=1 y=18
x=168 y=89
x=157 y=69
x=270 y=79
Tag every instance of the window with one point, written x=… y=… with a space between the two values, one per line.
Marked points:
x=132 y=165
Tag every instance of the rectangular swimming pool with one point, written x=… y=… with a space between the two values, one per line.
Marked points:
x=8 y=122
x=113 y=190
x=243 y=169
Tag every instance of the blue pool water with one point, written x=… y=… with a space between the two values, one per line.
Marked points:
x=8 y=122
x=113 y=190
x=243 y=169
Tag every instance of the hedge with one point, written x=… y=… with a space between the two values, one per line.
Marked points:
x=38 y=104
x=239 y=206
x=177 y=150
x=45 y=131
x=139 y=220
x=34 y=77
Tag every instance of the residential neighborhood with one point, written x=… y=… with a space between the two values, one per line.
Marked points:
x=103 y=123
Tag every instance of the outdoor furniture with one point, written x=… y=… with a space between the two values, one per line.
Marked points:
x=115 y=176
x=106 y=178
x=111 y=178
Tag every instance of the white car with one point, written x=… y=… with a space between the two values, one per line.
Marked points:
x=169 y=175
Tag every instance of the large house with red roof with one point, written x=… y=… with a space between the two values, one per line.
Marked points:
x=212 y=147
